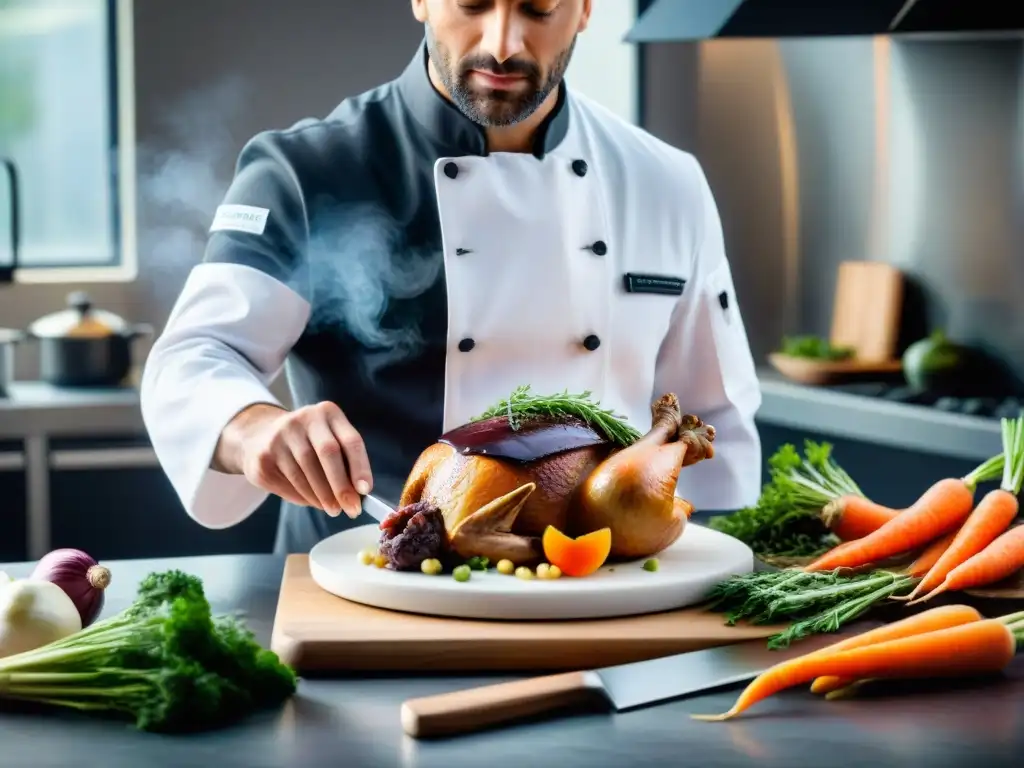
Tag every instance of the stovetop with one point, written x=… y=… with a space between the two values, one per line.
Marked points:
x=985 y=407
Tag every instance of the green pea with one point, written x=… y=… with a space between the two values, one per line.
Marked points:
x=462 y=573
x=651 y=565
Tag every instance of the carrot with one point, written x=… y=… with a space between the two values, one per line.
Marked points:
x=1001 y=558
x=990 y=518
x=940 y=509
x=927 y=621
x=930 y=556
x=978 y=647
x=852 y=517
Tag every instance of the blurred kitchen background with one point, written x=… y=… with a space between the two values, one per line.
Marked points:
x=826 y=138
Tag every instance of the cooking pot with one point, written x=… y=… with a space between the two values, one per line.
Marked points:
x=82 y=346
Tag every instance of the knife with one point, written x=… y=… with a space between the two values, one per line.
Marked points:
x=375 y=508
x=623 y=687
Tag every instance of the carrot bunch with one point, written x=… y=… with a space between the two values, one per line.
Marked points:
x=985 y=549
x=951 y=641
x=946 y=508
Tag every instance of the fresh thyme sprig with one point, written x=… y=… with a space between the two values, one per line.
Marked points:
x=815 y=603
x=523 y=403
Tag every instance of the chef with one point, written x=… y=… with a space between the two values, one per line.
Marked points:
x=469 y=227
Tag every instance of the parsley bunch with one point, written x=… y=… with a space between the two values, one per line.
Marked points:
x=786 y=521
x=166 y=662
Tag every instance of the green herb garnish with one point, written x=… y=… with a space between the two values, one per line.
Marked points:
x=165 y=662
x=814 y=603
x=814 y=348
x=786 y=522
x=522 y=403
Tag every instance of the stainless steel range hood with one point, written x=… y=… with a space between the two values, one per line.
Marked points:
x=683 y=20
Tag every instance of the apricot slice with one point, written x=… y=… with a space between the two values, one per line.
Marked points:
x=580 y=556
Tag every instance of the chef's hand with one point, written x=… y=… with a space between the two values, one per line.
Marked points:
x=299 y=455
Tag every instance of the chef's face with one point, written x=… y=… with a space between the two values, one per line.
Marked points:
x=500 y=59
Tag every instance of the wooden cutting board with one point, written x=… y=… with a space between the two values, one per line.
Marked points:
x=867 y=309
x=315 y=631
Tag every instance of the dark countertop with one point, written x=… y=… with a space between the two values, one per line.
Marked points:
x=347 y=721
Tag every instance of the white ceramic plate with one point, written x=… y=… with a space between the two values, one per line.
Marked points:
x=688 y=569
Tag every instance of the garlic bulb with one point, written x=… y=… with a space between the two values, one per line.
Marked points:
x=34 y=613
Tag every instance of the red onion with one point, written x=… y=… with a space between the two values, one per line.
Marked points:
x=80 y=576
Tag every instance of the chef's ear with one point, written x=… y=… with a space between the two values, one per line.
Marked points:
x=585 y=17
x=419 y=10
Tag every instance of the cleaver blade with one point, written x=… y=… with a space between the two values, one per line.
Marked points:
x=623 y=687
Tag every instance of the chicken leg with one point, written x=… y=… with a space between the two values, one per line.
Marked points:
x=632 y=492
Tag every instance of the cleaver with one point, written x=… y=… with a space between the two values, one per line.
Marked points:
x=622 y=687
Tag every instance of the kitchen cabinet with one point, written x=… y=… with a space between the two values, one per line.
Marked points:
x=110 y=497
x=12 y=502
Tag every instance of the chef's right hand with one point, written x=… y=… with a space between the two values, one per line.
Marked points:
x=299 y=455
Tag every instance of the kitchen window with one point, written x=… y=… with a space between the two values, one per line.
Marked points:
x=67 y=124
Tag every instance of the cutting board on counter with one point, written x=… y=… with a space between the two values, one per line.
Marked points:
x=866 y=312
x=867 y=309
x=315 y=631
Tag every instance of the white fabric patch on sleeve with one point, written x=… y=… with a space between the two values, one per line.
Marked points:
x=240 y=218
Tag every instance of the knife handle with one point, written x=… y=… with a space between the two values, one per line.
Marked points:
x=474 y=709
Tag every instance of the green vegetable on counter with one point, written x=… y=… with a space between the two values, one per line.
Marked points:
x=461 y=573
x=786 y=522
x=166 y=662
x=935 y=364
x=814 y=348
x=651 y=565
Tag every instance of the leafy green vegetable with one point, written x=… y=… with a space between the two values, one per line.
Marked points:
x=815 y=603
x=786 y=520
x=166 y=662
x=814 y=348
x=522 y=403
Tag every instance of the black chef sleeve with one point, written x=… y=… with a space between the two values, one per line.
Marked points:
x=262 y=221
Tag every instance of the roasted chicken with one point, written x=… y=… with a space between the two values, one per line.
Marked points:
x=500 y=481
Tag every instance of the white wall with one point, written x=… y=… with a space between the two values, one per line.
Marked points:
x=603 y=67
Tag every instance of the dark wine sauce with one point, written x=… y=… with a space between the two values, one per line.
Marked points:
x=531 y=440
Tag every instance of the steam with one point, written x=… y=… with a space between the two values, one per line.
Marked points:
x=183 y=179
x=359 y=266
x=356 y=272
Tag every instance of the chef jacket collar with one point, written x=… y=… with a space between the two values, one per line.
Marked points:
x=452 y=129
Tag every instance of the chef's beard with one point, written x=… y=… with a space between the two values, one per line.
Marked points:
x=496 y=108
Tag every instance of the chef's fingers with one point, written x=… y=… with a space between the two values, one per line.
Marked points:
x=308 y=461
x=355 y=453
x=270 y=473
x=293 y=473
x=332 y=460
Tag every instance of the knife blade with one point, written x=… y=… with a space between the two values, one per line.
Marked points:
x=623 y=687
x=375 y=508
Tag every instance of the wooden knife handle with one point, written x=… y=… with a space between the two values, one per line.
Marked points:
x=474 y=709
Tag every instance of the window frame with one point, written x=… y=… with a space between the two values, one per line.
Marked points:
x=123 y=267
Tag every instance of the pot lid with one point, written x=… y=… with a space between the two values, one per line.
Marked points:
x=80 y=321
